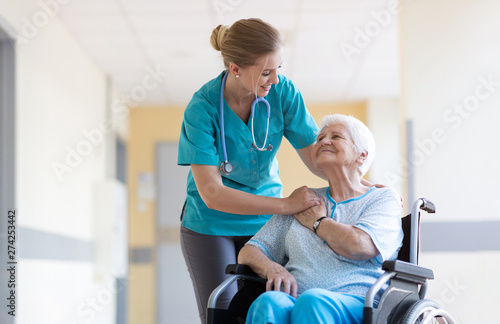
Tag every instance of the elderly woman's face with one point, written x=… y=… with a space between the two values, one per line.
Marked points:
x=334 y=146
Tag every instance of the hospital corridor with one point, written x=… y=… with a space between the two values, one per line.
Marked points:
x=106 y=147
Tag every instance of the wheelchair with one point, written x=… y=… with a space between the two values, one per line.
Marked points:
x=402 y=286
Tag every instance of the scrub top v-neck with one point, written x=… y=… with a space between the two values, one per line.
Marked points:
x=254 y=171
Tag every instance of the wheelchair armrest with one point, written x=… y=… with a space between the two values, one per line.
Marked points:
x=399 y=271
x=237 y=271
x=404 y=269
x=241 y=269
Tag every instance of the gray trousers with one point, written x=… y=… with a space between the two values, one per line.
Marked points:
x=206 y=258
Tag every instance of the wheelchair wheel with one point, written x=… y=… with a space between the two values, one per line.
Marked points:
x=419 y=311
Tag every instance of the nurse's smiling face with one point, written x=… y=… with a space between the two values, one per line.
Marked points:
x=258 y=78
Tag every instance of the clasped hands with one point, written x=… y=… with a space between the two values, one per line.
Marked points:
x=310 y=215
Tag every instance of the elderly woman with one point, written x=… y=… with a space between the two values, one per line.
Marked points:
x=319 y=264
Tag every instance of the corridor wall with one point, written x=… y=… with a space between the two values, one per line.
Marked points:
x=62 y=152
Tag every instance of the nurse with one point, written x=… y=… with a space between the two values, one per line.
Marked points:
x=225 y=209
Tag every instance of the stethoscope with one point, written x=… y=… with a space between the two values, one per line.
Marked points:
x=226 y=167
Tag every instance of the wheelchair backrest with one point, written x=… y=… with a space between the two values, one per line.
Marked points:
x=404 y=252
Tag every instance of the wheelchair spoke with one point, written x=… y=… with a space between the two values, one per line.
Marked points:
x=419 y=313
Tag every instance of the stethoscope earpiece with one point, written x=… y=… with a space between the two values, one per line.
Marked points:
x=225 y=167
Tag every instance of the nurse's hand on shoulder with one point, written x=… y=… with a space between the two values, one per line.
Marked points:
x=301 y=199
x=367 y=183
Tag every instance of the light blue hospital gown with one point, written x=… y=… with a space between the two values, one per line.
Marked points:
x=314 y=264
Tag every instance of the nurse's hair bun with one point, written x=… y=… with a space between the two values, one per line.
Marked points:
x=218 y=37
x=245 y=41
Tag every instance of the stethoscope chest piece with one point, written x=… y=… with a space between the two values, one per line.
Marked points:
x=226 y=168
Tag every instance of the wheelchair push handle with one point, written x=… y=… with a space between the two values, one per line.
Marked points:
x=427 y=205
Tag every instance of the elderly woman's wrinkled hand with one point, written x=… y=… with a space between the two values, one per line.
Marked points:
x=279 y=279
x=309 y=216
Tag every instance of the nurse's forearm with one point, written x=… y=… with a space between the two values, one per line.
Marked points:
x=219 y=197
x=234 y=201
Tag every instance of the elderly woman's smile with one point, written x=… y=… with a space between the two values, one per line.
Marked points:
x=332 y=141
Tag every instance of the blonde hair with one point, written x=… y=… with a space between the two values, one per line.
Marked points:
x=246 y=41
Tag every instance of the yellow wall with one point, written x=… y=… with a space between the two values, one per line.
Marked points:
x=147 y=127
x=151 y=125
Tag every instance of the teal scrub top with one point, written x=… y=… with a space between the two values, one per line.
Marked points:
x=254 y=171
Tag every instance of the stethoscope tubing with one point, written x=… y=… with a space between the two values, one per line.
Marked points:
x=221 y=117
x=252 y=113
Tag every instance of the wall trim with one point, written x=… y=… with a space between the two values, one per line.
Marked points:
x=459 y=236
x=35 y=244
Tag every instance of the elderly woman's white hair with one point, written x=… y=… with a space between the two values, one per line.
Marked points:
x=360 y=134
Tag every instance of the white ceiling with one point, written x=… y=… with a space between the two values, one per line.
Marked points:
x=128 y=38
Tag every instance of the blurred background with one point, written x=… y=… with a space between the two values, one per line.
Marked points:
x=92 y=95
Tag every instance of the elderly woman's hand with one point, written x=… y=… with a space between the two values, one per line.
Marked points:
x=278 y=277
x=309 y=216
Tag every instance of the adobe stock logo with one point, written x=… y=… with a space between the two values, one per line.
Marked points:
x=102 y=300
x=471 y=103
x=451 y=292
x=372 y=29
x=453 y=118
x=31 y=27
x=95 y=136
x=223 y=6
